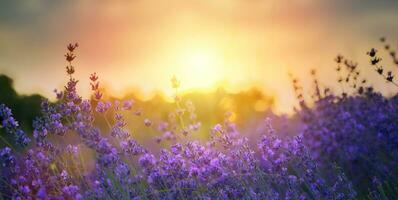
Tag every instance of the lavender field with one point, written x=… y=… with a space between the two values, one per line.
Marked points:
x=199 y=100
x=346 y=147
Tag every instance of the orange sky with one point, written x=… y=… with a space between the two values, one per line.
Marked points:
x=234 y=43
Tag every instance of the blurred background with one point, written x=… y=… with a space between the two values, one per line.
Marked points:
x=230 y=56
x=138 y=45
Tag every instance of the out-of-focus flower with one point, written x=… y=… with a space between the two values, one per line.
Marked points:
x=71 y=47
x=128 y=104
x=11 y=126
x=103 y=107
x=218 y=128
x=70 y=70
x=69 y=57
x=375 y=60
x=94 y=77
x=138 y=112
x=389 y=77
x=372 y=52
x=147 y=122
x=72 y=149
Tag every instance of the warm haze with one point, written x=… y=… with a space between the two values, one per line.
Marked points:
x=199 y=99
x=235 y=44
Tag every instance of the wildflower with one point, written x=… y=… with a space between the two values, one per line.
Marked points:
x=280 y=168
x=147 y=122
x=372 y=52
x=375 y=60
x=128 y=104
x=184 y=132
x=70 y=57
x=94 y=86
x=71 y=86
x=158 y=139
x=71 y=47
x=380 y=70
x=118 y=131
x=176 y=149
x=70 y=190
x=218 y=128
x=131 y=147
x=97 y=95
x=94 y=77
x=103 y=107
x=389 y=77
x=163 y=126
x=6 y=157
x=64 y=175
x=193 y=172
x=168 y=135
x=138 y=112
x=59 y=94
x=116 y=105
x=360 y=90
x=11 y=126
x=42 y=193
x=72 y=149
x=195 y=126
x=21 y=138
x=339 y=58
x=180 y=111
x=122 y=171
x=147 y=161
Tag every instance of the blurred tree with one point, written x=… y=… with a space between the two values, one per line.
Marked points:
x=24 y=107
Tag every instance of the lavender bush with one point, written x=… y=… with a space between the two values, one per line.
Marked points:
x=346 y=140
x=358 y=132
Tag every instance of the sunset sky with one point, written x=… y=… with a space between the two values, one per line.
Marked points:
x=140 y=44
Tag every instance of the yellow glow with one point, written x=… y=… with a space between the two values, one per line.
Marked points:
x=261 y=105
x=200 y=62
x=141 y=44
x=199 y=67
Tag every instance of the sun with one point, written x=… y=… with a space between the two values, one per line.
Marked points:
x=200 y=68
x=201 y=62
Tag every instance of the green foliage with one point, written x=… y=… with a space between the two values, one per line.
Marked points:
x=25 y=107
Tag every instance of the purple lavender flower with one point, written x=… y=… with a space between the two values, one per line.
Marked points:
x=12 y=127
x=103 y=107
x=127 y=105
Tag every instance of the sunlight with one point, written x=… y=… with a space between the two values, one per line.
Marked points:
x=200 y=68
x=200 y=61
